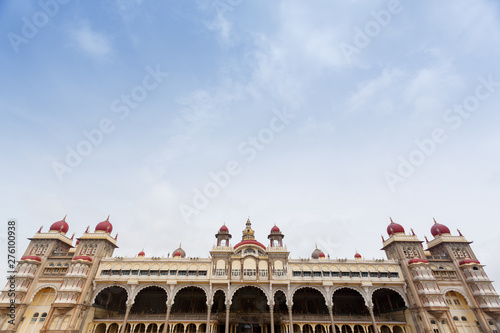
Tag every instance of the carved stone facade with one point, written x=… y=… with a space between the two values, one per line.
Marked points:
x=249 y=287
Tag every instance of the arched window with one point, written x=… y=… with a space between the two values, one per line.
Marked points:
x=464 y=319
x=455 y=318
x=43 y=316
x=433 y=322
x=35 y=317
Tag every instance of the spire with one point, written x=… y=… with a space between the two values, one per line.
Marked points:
x=40 y=230
x=87 y=230
x=107 y=219
x=434 y=221
x=72 y=236
x=459 y=233
x=116 y=237
x=426 y=239
x=412 y=232
x=391 y=219
x=64 y=218
x=248 y=233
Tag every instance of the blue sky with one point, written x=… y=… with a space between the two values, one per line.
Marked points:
x=325 y=119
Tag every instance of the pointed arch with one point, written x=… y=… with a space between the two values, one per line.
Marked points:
x=389 y=288
x=359 y=290
x=101 y=288
x=43 y=286
x=178 y=289
x=457 y=290
x=147 y=285
x=251 y=286
x=320 y=290
x=214 y=291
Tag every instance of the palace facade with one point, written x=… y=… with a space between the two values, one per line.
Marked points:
x=67 y=286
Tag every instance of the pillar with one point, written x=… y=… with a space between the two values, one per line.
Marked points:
x=228 y=309
x=374 y=323
x=271 y=312
x=330 y=312
x=61 y=321
x=290 y=318
x=440 y=325
x=169 y=307
x=209 y=310
x=48 y=319
x=122 y=329
x=451 y=322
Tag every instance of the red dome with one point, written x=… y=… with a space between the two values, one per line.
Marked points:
x=439 y=229
x=86 y=258
x=223 y=229
x=321 y=255
x=105 y=226
x=177 y=254
x=417 y=261
x=36 y=258
x=60 y=226
x=141 y=254
x=468 y=262
x=249 y=241
x=275 y=229
x=395 y=228
x=357 y=256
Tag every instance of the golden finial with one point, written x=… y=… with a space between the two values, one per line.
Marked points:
x=64 y=218
x=107 y=219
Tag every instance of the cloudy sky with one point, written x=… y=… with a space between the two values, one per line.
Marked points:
x=175 y=117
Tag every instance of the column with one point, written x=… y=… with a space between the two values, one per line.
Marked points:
x=228 y=309
x=290 y=318
x=374 y=323
x=271 y=312
x=440 y=325
x=209 y=311
x=169 y=307
x=122 y=329
x=61 y=321
x=451 y=322
x=330 y=312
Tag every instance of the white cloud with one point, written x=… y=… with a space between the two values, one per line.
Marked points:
x=92 y=42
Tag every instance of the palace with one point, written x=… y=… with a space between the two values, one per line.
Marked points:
x=435 y=286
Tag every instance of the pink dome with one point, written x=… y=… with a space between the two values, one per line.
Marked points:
x=60 y=226
x=357 y=256
x=177 y=254
x=223 y=229
x=439 y=229
x=141 y=254
x=395 y=228
x=249 y=241
x=105 y=226
x=275 y=229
